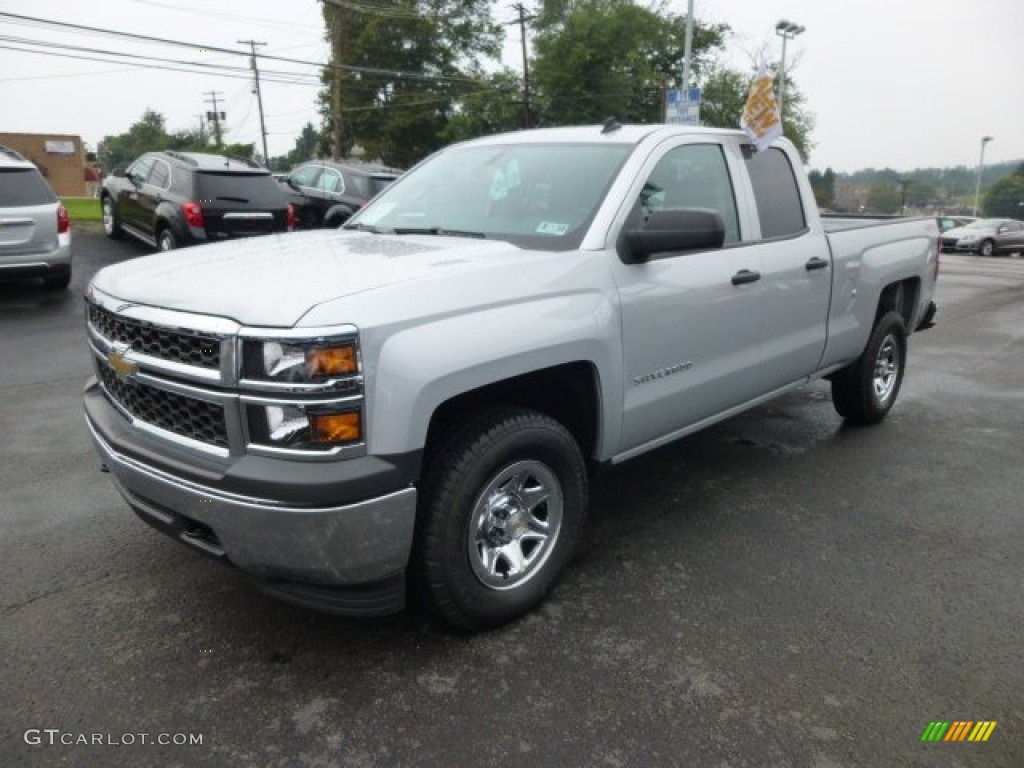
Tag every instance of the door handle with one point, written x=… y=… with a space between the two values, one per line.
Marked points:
x=745 y=276
x=816 y=263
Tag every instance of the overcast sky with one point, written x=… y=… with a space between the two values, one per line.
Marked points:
x=892 y=83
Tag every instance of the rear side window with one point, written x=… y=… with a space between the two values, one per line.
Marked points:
x=24 y=186
x=379 y=184
x=776 y=193
x=246 y=188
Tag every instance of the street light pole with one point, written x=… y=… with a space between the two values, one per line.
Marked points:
x=981 y=164
x=787 y=30
x=687 y=52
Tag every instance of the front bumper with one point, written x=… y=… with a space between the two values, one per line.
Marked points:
x=346 y=559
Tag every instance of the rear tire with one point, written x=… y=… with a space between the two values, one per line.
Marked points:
x=864 y=392
x=165 y=240
x=502 y=505
x=57 y=282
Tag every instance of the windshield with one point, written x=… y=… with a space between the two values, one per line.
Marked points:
x=984 y=224
x=532 y=195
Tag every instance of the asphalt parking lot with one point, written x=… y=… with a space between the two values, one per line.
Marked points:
x=776 y=591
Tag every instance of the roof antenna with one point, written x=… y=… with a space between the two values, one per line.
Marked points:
x=611 y=124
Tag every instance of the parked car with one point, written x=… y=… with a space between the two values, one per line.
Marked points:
x=947 y=223
x=172 y=199
x=35 y=231
x=326 y=193
x=986 y=237
x=419 y=397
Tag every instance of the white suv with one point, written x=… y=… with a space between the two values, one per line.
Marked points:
x=35 y=232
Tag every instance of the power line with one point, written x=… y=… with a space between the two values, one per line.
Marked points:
x=138 y=65
x=397 y=74
x=279 y=75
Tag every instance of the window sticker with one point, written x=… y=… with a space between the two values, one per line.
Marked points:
x=556 y=228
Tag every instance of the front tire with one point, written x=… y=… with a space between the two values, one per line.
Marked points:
x=111 y=226
x=502 y=506
x=864 y=392
x=987 y=248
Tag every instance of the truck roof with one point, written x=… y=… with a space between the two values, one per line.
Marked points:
x=623 y=134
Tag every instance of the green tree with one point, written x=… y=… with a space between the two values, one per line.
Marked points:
x=495 y=108
x=824 y=193
x=402 y=68
x=884 y=197
x=149 y=133
x=725 y=93
x=306 y=146
x=597 y=58
x=1005 y=198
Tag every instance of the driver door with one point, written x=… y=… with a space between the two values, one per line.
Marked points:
x=690 y=320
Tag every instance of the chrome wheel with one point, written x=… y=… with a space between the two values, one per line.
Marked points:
x=108 y=217
x=515 y=524
x=166 y=241
x=887 y=368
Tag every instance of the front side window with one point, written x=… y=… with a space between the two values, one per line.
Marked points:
x=305 y=176
x=532 y=195
x=139 y=170
x=776 y=194
x=693 y=176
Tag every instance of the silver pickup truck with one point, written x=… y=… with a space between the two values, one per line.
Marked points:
x=417 y=400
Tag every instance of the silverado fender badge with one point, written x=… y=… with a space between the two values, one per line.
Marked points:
x=118 y=360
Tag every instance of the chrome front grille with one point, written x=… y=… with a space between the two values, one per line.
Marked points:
x=185 y=416
x=177 y=345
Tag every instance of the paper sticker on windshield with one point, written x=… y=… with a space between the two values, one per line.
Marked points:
x=552 y=228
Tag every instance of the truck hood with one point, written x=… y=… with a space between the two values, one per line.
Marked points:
x=275 y=279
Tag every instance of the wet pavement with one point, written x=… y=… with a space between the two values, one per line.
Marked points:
x=777 y=590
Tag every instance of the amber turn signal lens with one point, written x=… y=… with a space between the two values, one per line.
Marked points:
x=331 y=361
x=335 y=427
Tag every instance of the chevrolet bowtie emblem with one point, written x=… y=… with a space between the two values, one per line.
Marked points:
x=118 y=360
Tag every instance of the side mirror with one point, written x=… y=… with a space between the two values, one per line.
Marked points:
x=671 y=231
x=119 y=173
x=291 y=182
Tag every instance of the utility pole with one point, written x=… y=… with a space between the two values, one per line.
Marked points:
x=216 y=116
x=202 y=128
x=521 y=21
x=259 y=96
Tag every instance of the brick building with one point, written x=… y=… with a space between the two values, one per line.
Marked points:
x=59 y=157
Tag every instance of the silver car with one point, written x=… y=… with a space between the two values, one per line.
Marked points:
x=35 y=232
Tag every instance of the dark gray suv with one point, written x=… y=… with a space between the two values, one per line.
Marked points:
x=35 y=232
x=171 y=199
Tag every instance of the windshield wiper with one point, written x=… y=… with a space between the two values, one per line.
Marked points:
x=369 y=228
x=438 y=231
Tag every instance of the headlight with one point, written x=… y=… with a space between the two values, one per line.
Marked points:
x=302 y=427
x=298 y=362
